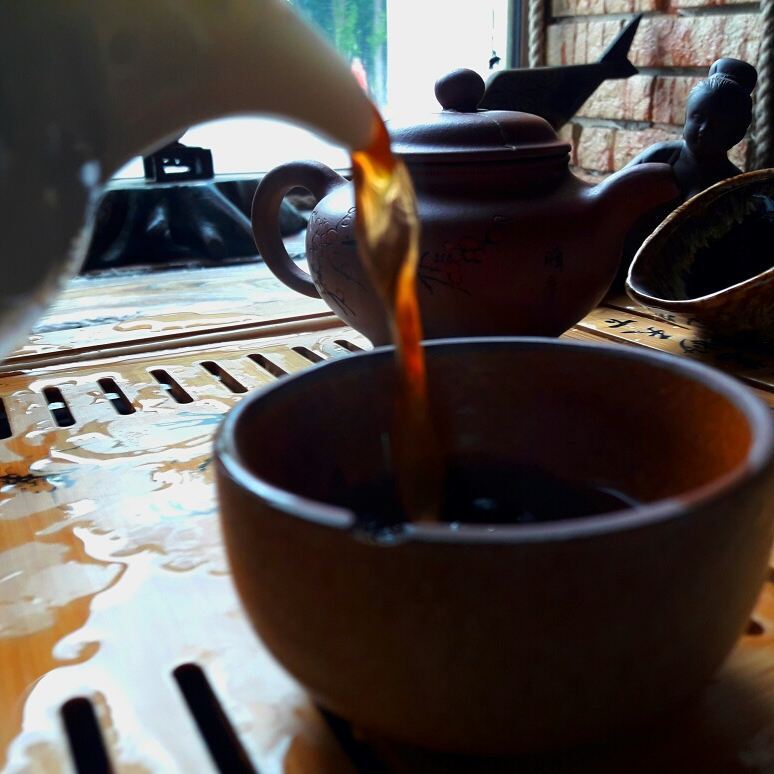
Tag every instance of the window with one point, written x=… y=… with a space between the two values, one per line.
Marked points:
x=396 y=48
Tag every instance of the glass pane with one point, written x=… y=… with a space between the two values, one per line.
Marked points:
x=396 y=49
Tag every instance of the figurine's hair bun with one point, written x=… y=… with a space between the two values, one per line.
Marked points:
x=741 y=73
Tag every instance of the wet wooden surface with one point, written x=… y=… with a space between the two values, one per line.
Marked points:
x=142 y=305
x=112 y=572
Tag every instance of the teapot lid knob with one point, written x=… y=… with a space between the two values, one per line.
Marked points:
x=460 y=90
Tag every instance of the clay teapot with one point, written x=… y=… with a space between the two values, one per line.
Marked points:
x=512 y=242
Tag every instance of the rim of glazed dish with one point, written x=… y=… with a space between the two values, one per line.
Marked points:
x=660 y=238
x=757 y=458
x=678 y=304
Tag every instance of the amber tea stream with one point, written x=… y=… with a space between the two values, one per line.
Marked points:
x=426 y=486
x=388 y=236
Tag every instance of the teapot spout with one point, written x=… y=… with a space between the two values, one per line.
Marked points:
x=634 y=191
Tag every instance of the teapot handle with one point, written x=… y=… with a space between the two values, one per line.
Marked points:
x=316 y=178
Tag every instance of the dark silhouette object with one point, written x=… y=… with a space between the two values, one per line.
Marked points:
x=178 y=215
x=178 y=162
x=717 y=115
x=556 y=93
x=167 y=224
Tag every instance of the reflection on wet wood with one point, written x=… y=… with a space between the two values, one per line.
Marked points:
x=112 y=572
x=131 y=306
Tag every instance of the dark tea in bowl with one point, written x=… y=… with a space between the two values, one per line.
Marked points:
x=603 y=530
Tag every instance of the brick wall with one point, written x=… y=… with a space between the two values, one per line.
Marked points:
x=676 y=42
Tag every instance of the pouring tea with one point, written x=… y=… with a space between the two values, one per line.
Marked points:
x=111 y=83
x=85 y=86
x=388 y=235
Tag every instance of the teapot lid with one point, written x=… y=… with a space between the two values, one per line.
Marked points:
x=462 y=133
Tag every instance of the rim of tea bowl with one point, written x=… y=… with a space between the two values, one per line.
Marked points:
x=579 y=627
x=742 y=308
x=334 y=516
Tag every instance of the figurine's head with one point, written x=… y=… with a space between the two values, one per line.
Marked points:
x=719 y=109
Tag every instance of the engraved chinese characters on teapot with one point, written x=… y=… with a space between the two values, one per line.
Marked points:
x=512 y=242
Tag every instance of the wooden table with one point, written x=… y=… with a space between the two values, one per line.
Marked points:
x=115 y=597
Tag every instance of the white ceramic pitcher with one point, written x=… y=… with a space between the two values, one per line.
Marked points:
x=87 y=84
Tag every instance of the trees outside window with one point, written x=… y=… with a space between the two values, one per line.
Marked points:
x=358 y=30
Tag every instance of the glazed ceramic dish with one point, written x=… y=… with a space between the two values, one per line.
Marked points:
x=712 y=260
x=507 y=638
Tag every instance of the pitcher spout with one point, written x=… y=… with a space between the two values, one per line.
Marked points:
x=195 y=60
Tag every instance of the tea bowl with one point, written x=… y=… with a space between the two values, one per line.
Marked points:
x=707 y=262
x=508 y=638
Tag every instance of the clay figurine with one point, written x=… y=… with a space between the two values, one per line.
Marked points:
x=717 y=115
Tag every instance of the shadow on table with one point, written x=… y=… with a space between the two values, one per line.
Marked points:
x=729 y=729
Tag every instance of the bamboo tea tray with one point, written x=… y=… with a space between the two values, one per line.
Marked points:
x=122 y=643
